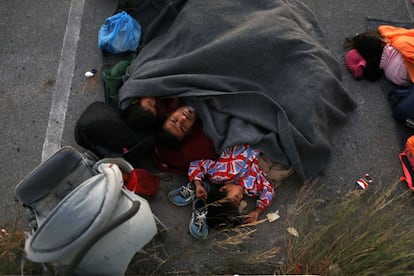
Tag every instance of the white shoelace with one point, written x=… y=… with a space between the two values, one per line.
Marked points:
x=200 y=218
x=186 y=191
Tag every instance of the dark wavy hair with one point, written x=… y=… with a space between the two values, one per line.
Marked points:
x=369 y=45
x=138 y=118
x=221 y=213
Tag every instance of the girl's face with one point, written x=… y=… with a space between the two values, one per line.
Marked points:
x=234 y=193
x=148 y=104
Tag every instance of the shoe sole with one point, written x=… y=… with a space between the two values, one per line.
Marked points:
x=194 y=235
x=192 y=222
x=171 y=198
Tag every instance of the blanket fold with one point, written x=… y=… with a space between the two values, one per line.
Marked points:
x=257 y=72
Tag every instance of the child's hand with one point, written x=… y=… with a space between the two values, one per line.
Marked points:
x=200 y=191
x=253 y=216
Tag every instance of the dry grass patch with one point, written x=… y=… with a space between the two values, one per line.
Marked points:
x=12 y=256
x=364 y=233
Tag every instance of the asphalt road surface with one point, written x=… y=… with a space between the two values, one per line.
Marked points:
x=47 y=46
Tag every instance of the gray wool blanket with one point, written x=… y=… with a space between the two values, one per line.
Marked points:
x=257 y=72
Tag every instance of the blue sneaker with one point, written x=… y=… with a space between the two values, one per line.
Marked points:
x=182 y=196
x=198 y=224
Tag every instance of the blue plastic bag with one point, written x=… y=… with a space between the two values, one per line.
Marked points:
x=120 y=33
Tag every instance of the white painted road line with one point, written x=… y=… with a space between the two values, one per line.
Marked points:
x=64 y=77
